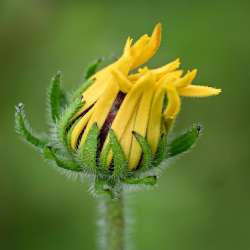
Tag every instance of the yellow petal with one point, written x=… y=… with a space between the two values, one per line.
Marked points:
x=140 y=73
x=174 y=103
x=124 y=84
x=149 y=49
x=139 y=45
x=167 y=68
x=80 y=111
x=124 y=121
x=127 y=47
x=126 y=138
x=159 y=72
x=198 y=91
x=103 y=78
x=102 y=108
x=187 y=79
x=174 y=75
x=91 y=95
x=141 y=122
x=125 y=61
x=154 y=123
x=128 y=105
x=79 y=128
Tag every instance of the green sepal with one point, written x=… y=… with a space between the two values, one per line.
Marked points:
x=56 y=98
x=161 y=153
x=87 y=152
x=24 y=129
x=83 y=87
x=104 y=156
x=149 y=180
x=72 y=126
x=51 y=154
x=119 y=158
x=184 y=142
x=65 y=120
x=146 y=151
x=91 y=69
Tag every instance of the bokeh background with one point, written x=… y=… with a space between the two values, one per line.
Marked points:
x=203 y=200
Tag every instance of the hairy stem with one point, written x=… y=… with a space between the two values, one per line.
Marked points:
x=112 y=223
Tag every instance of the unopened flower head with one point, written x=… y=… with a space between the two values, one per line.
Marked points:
x=114 y=128
x=146 y=102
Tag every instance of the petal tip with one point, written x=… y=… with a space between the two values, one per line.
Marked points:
x=217 y=91
x=157 y=33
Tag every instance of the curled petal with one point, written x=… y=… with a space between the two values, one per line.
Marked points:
x=124 y=84
x=154 y=123
x=159 y=72
x=187 y=79
x=149 y=48
x=174 y=103
x=167 y=68
x=127 y=136
x=78 y=128
x=198 y=91
x=141 y=123
x=136 y=76
x=139 y=45
x=104 y=78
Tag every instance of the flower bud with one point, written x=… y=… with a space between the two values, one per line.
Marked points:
x=126 y=102
x=114 y=128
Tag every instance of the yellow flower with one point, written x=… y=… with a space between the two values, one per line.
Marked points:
x=128 y=102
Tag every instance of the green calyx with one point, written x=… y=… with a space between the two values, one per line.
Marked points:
x=86 y=159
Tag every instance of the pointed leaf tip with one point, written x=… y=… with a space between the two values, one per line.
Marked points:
x=88 y=151
x=185 y=141
x=24 y=129
x=146 y=151
x=120 y=161
x=91 y=69
x=56 y=97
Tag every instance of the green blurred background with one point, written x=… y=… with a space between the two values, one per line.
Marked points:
x=203 y=200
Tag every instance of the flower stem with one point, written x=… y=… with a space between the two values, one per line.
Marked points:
x=112 y=223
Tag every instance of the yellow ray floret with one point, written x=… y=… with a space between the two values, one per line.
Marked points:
x=154 y=123
x=148 y=50
x=124 y=83
x=127 y=136
x=129 y=104
x=167 y=68
x=141 y=120
x=139 y=45
x=102 y=108
x=198 y=91
x=104 y=78
x=174 y=102
x=79 y=127
x=158 y=72
x=186 y=80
